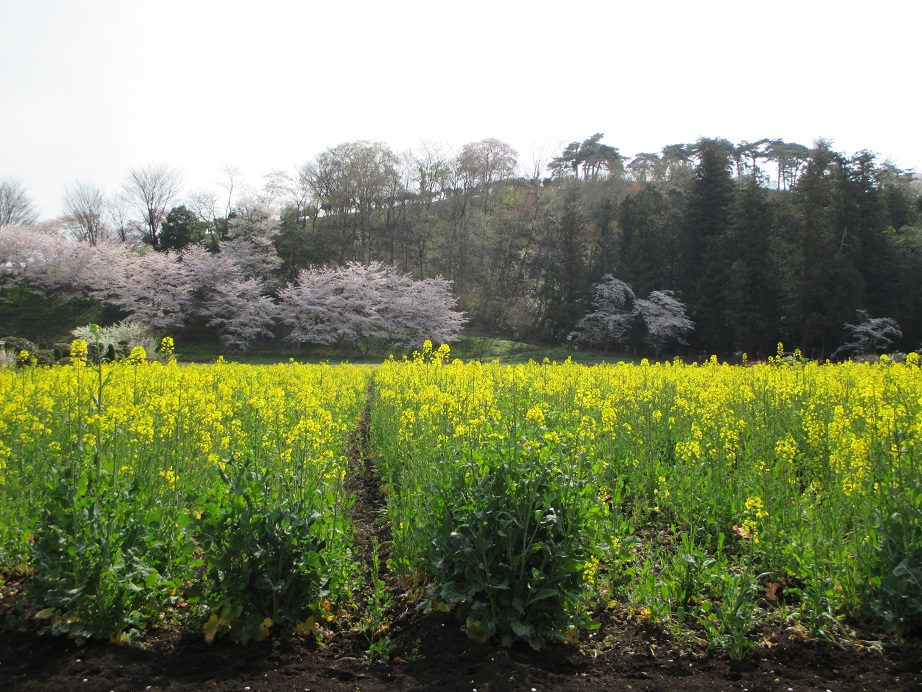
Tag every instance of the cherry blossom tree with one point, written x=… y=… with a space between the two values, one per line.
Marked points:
x=209 y=268
x=619 y=317
x=665 y=320
x=359 y=303
x=107 y=263
x=153 y=289
x=614 y=307
x=326 y=306
x=249 y=241
x=42 y=259
x=237 y=306
x=168 y=291
x=162 y=291
x=871 y=335
x=23 y=253
x=414 y=311
x=240 y=311
x=63 y=270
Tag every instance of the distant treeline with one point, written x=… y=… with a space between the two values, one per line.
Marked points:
x=764 y=242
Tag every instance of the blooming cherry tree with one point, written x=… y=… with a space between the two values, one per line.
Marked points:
x=249 y=242
x=871 y=335
x=359 y=303
x=614 y=307
x=664 y=316
x=240 y=310
x=618 y=315
x=153 y=289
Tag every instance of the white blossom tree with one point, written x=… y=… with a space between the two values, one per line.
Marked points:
x=619 y=317
x=210 y=269
x=59 y=267
x=153 y=289
x=64 y=267
x=106 y=264
x=665 y=320
x=871 y=335
x=162 y=291
x=414 y=311
x=121 y=337
x=167 y=291
x=359 y=303
x=249 y=241
x=242 y=313
x=614 y=308
x=237 y=306
x=42 y=259
x=326 y=306
x=24 y=253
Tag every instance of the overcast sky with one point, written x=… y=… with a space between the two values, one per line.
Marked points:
x=89 y=89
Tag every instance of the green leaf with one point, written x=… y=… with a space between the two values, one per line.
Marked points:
x=521 y=629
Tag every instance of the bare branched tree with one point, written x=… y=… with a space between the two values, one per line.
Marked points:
x=278 y=190
x=540 y=156
x=204 y=204
x=121 y=227
x=150 y=190
x=85 y=209
x=16 y=207
x=228 y=180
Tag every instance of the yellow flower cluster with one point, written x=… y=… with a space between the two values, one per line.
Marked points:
x=762 y=445
x=166 y=427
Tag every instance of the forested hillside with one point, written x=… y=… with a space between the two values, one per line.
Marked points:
x=762 y=242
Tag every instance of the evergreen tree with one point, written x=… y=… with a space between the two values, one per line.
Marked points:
x=179 y=229
x=565 y=288
x=826 y=290
x=705 y=262
x=646 y=251
x=750 y=306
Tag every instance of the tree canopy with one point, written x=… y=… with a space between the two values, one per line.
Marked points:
x=759 y=241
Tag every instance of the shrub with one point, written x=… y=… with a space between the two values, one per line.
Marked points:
x=15 y=344
x=100 y=571
x=511 y=552
x=116 y=341
x=262 y=557
x=897 y=570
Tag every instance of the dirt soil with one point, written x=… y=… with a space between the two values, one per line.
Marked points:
x=430 y=652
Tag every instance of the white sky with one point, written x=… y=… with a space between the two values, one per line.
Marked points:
x=90 y=88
